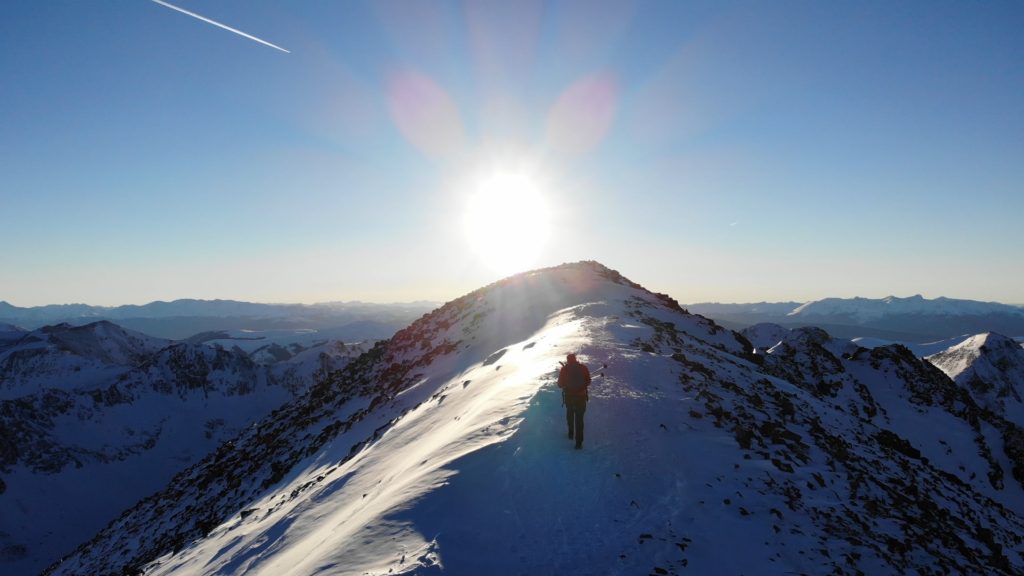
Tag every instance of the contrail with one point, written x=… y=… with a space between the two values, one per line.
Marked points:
x=218 y=24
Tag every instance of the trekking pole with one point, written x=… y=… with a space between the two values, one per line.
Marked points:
x=562 y=364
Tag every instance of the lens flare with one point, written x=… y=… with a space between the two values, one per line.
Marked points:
x=582 y=115
x=426 y=115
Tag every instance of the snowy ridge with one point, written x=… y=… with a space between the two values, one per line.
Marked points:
x=443 y=450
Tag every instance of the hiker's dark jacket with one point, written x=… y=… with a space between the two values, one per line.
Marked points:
x=574 y=378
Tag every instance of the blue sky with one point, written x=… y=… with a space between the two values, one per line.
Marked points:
x=711 y=150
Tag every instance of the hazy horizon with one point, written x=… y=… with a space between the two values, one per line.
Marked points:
x=454 y=296
x=400 y=151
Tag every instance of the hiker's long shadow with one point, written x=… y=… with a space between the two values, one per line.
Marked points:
x=527 y=505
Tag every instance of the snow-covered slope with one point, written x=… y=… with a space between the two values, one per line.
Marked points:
x=93 y=418
x=443 y=450
x=991 y=366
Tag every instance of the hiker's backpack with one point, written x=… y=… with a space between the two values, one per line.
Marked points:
x=575 y=379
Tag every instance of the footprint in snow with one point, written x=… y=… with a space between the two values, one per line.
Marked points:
x=495 y=357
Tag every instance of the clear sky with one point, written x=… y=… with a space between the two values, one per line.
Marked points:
x=711 y=150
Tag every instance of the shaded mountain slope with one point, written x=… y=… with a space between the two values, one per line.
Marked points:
x=93 y=418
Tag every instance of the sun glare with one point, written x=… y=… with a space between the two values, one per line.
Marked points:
x=507 y=221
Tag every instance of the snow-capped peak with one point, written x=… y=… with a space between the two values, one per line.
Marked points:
x=991 y=366
x=958 y=358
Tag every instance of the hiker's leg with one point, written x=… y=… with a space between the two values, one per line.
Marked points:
x=569 y=416
x=581 y=408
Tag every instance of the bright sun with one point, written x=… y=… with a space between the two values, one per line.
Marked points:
x=507 y=221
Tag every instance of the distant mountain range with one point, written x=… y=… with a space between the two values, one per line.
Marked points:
x=182 y=319
x=912 y=319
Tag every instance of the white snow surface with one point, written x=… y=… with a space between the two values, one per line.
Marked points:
x=444 y=451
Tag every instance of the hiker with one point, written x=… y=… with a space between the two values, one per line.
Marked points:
x=573 y=379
